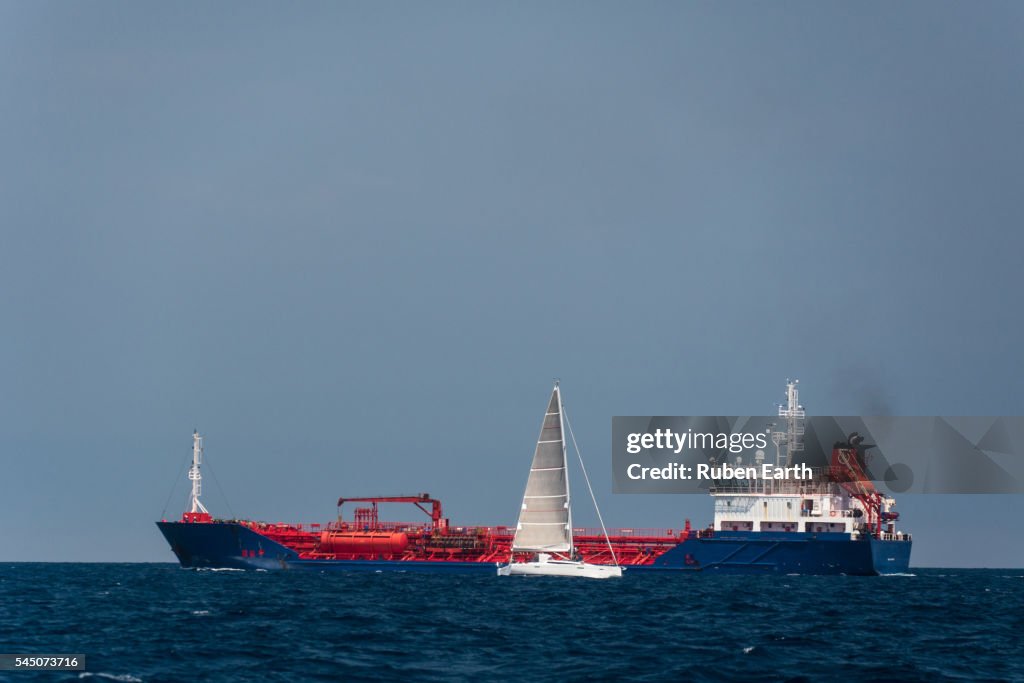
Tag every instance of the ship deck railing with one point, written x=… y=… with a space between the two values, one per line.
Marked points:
x=420 y=528
x=624 y=532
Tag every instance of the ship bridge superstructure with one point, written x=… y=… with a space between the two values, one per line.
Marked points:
x=817 y=505
x=839 y=498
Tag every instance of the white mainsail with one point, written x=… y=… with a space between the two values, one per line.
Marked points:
x=545 y=520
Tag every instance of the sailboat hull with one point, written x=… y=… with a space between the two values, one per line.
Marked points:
x=558 y=568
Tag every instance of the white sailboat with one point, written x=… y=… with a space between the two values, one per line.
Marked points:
x=545 y=519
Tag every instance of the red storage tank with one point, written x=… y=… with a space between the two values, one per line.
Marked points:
x=363 y=542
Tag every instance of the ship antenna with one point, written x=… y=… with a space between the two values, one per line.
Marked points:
x=794 y=414
x=194 y=475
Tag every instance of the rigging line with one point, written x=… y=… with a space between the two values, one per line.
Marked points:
x=589 y=487
x=217 y=482
x=163 y=513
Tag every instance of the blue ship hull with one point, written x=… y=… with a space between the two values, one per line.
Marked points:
x=234 y=546
x=749 y=552
x=224 y=545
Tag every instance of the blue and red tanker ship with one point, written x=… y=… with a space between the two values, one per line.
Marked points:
x=837 y=523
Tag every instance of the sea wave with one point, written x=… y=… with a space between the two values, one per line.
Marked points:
x=127 y=678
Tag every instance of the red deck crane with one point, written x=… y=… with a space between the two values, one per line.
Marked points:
x=849 y=473
x=368 y=516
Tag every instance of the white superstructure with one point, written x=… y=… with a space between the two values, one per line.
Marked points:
x=776 y=505
x=816 y=505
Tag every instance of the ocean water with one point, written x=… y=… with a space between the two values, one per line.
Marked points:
x=157 y=622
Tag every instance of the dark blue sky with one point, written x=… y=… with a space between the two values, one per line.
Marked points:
x=353 y=243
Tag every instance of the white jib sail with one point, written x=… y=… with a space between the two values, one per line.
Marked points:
x=545 y=522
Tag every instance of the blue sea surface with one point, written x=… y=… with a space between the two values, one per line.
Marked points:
x=158 y=622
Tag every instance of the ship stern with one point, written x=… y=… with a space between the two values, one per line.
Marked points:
x=890 y=557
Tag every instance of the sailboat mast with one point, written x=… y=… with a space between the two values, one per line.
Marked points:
x=565 y=464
